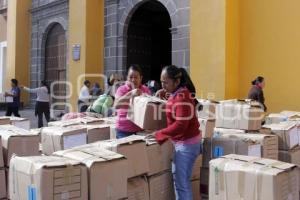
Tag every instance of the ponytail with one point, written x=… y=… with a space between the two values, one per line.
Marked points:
x=258 y=80
x=175 y=73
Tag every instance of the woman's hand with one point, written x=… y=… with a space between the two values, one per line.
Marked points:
x=136 y=92
x=162 y=93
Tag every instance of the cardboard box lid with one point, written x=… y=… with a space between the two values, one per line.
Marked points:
x=89 y=154
x=283 y=126
x=30 y=165
x=148 y=99
x=113 y=144
x=278 y=115
x=100 y=126
x=54 y=130
x=240 y=134
x=262 y=161
x=291 y=114
x=7 y=131
x=247 y=103
x=18 y=119
x=207 y=101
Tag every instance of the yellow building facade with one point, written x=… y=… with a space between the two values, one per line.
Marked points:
x=231 y=42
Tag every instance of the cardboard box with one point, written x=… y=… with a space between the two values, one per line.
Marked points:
x=275 y=118
x=208 y=109
x=291 y=156
x=248 y=178
x=107 y=171
x=148 y=112
x=4 y=120
x=1 y=154
x=204 y=181
x=78 y=121
x=196 y=190
x=161 y=187
x=61 y=138
x=2 y=184
x=138 y=188
x=159 y=156
x=291 y=114
x=18 y=141
x=134 y=149
x=237 y=114
x=20 y=122
x=197 y=168
x=7 y=181
x=258 y=145
x=47 y=178
x=97 y=133
x=287 y=133
x=207 y=127
x=265 y=146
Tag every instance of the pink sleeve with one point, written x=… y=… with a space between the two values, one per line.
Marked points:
x=121 y=91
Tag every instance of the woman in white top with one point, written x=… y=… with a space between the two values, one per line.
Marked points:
x=42 y=102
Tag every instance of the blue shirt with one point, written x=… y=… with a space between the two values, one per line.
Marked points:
x=16 y=99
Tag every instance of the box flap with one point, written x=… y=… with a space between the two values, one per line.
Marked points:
x=18 y=119
x=30 y=165
x=7 y=131
x=56 y=130
x=262 y=161
x=281 y=126
x=89 y=154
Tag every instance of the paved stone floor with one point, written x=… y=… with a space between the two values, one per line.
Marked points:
x=29 y=114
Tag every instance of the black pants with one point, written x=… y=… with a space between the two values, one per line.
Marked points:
x=12 y=110
x=82 y=106
x=40 y=109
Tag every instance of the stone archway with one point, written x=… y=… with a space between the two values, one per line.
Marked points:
x=149 y=40
x=55 y=63
x=117 y=18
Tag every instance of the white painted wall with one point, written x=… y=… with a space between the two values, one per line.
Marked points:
x=3 y=56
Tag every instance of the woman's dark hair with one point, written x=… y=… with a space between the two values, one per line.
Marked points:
x=14 y=81
x=86 y=82
x=175 y=73
x=136 y=68
x=259 y=79
x=44 y=83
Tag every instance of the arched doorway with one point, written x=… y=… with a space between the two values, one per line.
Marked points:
x=55 y=63
x=149 y=40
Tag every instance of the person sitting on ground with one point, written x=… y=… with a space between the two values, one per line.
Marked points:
x=256 y=92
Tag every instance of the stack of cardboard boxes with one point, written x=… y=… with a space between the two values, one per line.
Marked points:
x=15 y=141
x=207 y=117
x=148 y=113
x=245 y=177
x=236 y=132
x=2 y=175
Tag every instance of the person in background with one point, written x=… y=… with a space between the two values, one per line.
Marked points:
x=96 y=90
x=114 y=82
x=153 y=86
x=15 y=93
x=182 y=127
x=256 y=92
x=84 y=96
x=132 y=88
x=42 y=106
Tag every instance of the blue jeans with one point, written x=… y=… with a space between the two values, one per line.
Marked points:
x=184 y=158
x=122 y=134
